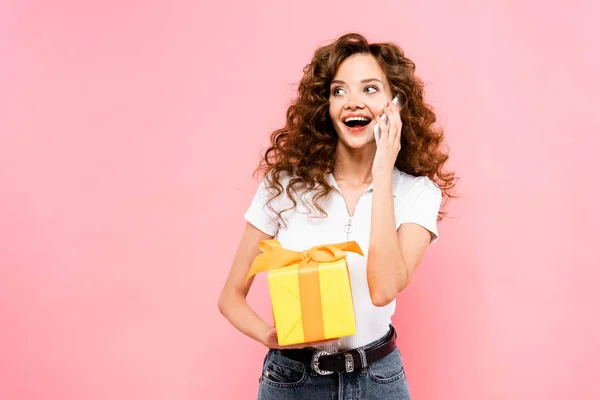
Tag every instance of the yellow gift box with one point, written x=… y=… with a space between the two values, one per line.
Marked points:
x=310 y=291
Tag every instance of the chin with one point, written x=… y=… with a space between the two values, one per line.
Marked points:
x=356 y=142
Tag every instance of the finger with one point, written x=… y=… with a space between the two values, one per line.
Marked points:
x=396 y=111
x=383 y=126
x=389 y=112
x=399 y=118
x=394 y=120
x=275 y=345
x=396 y=125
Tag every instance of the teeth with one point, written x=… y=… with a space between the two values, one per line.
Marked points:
x=356 y=119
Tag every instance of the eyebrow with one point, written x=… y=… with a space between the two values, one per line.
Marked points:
x=363 y=81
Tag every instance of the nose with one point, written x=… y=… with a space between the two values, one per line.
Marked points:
x=354 y=101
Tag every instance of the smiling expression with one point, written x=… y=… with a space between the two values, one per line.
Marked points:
x=359 y=91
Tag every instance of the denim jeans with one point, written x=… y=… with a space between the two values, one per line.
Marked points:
x=284 y=378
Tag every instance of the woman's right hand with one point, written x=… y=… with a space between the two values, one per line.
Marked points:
x=270 y=341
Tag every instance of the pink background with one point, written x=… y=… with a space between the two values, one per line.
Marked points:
x=128 y=134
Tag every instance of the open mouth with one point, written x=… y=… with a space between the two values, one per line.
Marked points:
x=354 y=122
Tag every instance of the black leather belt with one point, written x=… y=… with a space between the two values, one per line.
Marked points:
x=324 y=363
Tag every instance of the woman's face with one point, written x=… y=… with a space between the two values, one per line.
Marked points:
x=358 y=92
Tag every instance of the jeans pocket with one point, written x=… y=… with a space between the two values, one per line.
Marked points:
x=281 y=371
x=388 y=369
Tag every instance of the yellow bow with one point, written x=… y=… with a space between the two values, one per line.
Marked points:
x=274 y=256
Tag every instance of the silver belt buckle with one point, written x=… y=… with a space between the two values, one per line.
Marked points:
x=349 y=362
x=315 y=362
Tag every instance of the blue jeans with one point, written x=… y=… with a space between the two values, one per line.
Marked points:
x=284 y=378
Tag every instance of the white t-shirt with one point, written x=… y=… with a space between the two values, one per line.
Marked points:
x=416 y=199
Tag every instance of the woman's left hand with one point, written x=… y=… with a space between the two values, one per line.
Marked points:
x=388 y=146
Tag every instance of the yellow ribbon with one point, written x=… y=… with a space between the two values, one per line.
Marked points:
x=273 y=256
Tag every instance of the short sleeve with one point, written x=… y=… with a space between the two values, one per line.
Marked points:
x=421 y=207
x=259 y=214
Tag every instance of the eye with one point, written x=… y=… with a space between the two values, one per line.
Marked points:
x=374 y=89
x=336 y=91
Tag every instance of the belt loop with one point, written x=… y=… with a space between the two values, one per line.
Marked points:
x=363 y=357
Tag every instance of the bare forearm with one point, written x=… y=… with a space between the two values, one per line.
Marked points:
x=235 y=308
x=386 y=271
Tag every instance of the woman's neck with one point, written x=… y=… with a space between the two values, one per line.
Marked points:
x=353 y=166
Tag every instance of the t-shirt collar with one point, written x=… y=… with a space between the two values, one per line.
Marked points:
x=331 y=180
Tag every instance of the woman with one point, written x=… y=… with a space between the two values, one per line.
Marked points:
x=326 y=180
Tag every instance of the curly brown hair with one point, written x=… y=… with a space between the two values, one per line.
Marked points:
x=305 y=148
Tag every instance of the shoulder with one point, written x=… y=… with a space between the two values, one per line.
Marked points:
x=407 y=186
x=269 y=187
x=269 y=201
x=417 y=199
x=275 y=191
